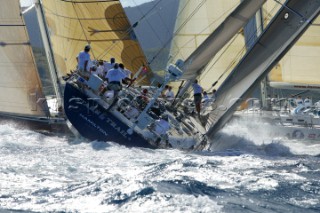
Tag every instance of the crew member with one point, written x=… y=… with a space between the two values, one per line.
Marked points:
x=197 y=91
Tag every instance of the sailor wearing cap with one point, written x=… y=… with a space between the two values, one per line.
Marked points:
x=83 y=60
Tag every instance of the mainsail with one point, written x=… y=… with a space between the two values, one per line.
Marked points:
x=21 y=92
x=103 y=24
x=283 y=31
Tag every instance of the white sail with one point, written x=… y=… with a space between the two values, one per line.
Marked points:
x=21 y=92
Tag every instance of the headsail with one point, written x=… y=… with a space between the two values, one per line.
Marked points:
x=226 y=41
x=231 y=25
x=284 y=30
x=103 y=24
x=21 y=92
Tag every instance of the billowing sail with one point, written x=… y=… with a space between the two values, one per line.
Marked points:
x=196 y=20
x=103 y=24
x=21 y=92
x=283 y=31
x=230 y=26
x=301 y=64
x=226 y=33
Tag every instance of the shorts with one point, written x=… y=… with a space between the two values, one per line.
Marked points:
x=115 y=86
x=197 y=98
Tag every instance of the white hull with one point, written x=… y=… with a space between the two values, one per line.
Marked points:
x=272 y=125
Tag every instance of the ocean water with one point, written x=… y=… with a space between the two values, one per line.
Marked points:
x=241 y=173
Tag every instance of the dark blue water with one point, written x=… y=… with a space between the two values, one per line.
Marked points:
x=241 y=174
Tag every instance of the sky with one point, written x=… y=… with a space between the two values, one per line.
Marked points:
x=125 y=3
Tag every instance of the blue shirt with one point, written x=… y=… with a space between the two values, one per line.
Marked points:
x=197 y=89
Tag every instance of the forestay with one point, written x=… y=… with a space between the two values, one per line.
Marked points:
x=21 y=92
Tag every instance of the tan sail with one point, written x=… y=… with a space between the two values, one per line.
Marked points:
x=21 y=91
x=301 y=64
x=103 y=24
x=196 y=21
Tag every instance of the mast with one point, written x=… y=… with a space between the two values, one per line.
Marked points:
x=197 y=61
x=264 y=83
x=284 y=30
x=48 y=49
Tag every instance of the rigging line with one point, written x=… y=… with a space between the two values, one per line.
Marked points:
x=232 y=62
x=227 y=12
x=153 y=30
x=178 y=30
x=131 y=28
x=145 y=15
x=83 y=30
x=174 y=33
x=51 y=12
x=238 y=55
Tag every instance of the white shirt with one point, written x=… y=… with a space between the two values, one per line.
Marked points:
x=99 y=71
x=82 y=58
x=107 y=66
x=162 y=126
x=205 y=98
x=169 y=94
x=115 y=75
x=126 y=72
x=197 y=89
x=307 y=102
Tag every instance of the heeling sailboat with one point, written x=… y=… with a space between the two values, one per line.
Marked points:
x=105 y=26
x=21 y=96
x=129 y=122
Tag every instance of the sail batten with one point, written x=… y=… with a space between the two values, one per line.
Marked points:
x=20 y=83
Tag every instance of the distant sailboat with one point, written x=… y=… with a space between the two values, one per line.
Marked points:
x=297 y=73
x=21 y=95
